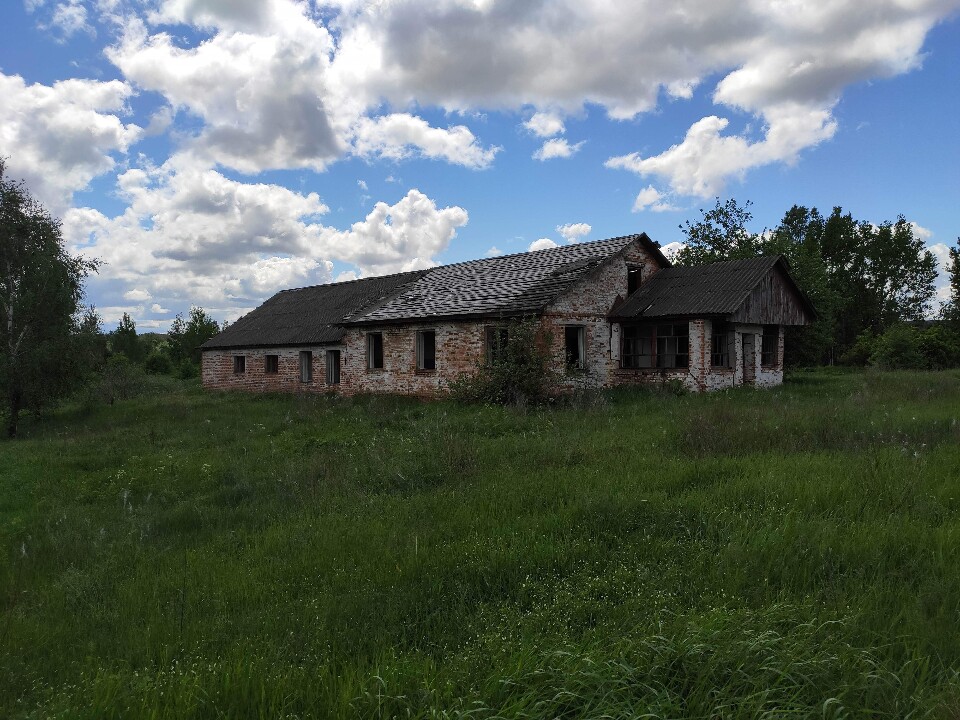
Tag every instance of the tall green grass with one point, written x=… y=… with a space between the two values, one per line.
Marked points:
x=785 y=553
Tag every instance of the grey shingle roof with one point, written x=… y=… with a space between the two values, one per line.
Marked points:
x=310 y=315
x=715 y=289
x=507 y=285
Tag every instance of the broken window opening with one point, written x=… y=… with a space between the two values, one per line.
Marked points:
x=375 y=351
x=239 y=364
x=271 y=364
x=574 y=342
x=665 y=345
x=333 y=367
x=634 y=273
x=720 y=344
x=306 y=366
x=426 y=350
x=768 y=345
x=496 y=344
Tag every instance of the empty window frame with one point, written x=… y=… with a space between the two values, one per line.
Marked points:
x=271 y=364
x=375 y=351
x=333 y=367
x=306 y=366
x=574 y=347
x=496 y=343
x=769 y=342
x=239 y=364
x=426 y=350
x=664 y=345
x=720 y=344
x=633 y=278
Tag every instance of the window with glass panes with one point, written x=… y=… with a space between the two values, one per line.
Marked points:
x=768 y=345
x=663 y=345
x=720 y=345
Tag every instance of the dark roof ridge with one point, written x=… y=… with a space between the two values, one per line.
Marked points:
x=632 y=236
x=354 y=280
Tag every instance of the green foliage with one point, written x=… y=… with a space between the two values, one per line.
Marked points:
x=744 y=554
x=905 y=347
x=859 y=353
x=41 y=286
x=898 y=349
x=186 y=336
x=859 y=276
x=158 y=360
x=721 y=234
x=950 y=310
x=124 y=340
x=517 y=372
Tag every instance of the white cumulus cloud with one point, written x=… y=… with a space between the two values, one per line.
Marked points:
x=196 y=236
x=401 y=135
x=545 y=124
x=59 y=137
x=556 y=148
x=651 y=199
x=541 y=244
x=574 y=232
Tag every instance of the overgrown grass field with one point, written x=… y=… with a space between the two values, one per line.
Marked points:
x=745 y=554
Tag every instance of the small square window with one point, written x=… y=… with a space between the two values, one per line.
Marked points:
x=271 y=364
x=375 y=351
x=239 y=364
x=306 y=366
x=426 y=350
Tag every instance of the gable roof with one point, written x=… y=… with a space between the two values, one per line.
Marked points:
x=717 y=289
x=508 y=285
x=310 y=315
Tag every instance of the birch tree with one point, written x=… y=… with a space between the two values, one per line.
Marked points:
x=41 y=286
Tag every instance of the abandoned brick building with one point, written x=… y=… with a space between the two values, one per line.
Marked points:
x=617 y=312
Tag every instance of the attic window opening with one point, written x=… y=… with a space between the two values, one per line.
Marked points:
x=239 y=364
x=271 y=364
x=664 y=345
x=768 y=345
x=634 y=273
x=375 y=351
x=720 y=345
x=426 y=350
x=574 y=350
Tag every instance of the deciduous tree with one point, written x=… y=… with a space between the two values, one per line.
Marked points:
x=41 y=286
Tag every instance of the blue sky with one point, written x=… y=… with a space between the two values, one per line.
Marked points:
x=213 y=152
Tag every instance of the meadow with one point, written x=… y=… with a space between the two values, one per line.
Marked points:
x=743 y=554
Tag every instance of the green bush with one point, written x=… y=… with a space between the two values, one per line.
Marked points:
x=518 y=373
x=903 y=347
x=940 y=347
x=158 y=362
x=861 y=350
x=187 y=369
x=898 y=349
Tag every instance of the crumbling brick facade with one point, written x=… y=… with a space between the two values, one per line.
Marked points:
x=583 y=310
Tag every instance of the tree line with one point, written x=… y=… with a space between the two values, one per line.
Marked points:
x=873 y=285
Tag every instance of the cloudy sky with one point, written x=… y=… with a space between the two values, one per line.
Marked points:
x=212 y=152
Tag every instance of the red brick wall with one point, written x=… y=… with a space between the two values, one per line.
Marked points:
x=460 y=346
